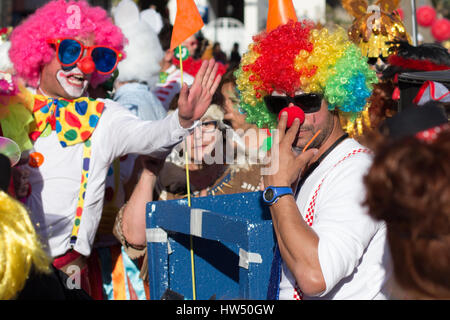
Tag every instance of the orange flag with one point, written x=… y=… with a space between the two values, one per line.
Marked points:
x=280 y=12
x=187 y=22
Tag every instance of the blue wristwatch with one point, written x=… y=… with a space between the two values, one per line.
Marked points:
x=271 y=194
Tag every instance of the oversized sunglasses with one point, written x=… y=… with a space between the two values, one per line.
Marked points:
x=309 y=102
x=70 y=51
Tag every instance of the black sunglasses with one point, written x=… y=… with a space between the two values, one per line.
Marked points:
x=373 y=61
x=309 y=102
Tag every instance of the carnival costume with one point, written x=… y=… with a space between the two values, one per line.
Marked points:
x=20 y=248
x=302 y=59
x=119 y=273
x=375 y=26
x=75 y=141
x=301 y=56
x=373 y=29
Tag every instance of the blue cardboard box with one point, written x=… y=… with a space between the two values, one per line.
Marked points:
x=232 y=241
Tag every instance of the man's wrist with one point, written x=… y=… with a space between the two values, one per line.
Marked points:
x=277 y=183
x=186 y=124
x=282 y=201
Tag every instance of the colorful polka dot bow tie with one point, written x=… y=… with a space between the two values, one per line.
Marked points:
x=73 y=120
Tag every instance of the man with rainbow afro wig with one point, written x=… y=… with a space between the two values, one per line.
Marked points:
x=59 y=51
x=300 y=78
x=299 y=56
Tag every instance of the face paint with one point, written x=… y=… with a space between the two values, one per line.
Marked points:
x=73 y=82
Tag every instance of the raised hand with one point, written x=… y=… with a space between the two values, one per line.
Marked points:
x=194 y=101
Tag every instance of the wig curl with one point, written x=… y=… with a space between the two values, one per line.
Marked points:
x=19 y=247
x=301 y=56
x=29 y=48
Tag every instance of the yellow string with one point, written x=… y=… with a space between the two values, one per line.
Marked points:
x=181 y=63
x=189 y=201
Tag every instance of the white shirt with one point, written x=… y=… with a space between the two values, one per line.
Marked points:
x=56 y=183
x=353 y=251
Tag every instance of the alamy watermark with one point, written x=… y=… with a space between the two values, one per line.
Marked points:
x=74 y=21
x=374 y=20
x=74 y=279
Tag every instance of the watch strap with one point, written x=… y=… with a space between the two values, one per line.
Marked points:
x=278 y=192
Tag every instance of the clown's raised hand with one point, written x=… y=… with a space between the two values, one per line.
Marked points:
x=194 y=101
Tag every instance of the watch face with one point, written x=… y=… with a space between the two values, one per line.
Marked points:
x=268 y=195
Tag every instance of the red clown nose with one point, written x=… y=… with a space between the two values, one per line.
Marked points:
x=293 y=112
x=86 y=65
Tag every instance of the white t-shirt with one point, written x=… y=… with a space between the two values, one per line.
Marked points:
x=353 y=251
x=56 y=183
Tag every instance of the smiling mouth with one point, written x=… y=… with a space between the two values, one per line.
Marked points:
x=76 y=80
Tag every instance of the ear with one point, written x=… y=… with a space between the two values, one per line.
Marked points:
x=356 y=8
x=125 y=12
x=388 y=5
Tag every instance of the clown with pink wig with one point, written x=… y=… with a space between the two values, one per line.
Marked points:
x=58 y=52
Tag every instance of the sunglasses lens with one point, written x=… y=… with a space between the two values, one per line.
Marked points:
x=276 y=103
x=308 y=102
x=104 y=58
x=69 y=51
x=372 y=61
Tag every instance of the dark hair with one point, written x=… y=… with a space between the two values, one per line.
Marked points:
x=228 y=77
x=165 y=35
x=161 y=6
x=174 y=102
x=408 y=188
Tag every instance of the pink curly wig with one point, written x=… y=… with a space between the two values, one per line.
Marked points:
x=29 y=48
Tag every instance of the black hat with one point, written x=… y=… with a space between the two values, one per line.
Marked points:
x=411 y=121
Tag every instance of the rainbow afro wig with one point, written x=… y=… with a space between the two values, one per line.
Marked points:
x=301 y=56
x=57 y=19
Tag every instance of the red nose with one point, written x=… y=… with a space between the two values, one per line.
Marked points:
x=86 y=65
x=293 y=112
